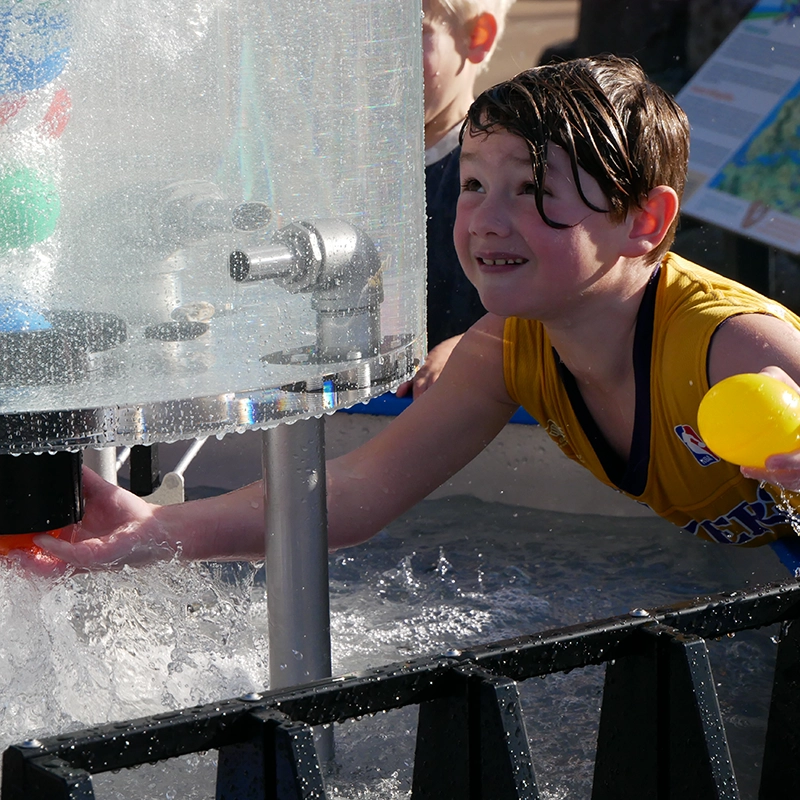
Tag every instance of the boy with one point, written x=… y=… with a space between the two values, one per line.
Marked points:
x=571 y=180
x=458 y=38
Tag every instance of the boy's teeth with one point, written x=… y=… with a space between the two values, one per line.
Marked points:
x=501 y=262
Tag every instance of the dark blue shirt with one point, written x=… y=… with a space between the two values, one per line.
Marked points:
x=453 y=302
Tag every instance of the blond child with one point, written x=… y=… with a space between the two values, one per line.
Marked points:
x=459 y=37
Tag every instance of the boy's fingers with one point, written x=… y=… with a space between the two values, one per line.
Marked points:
x=88 y=553
x=93 y=484
x=422 y=385
x=118 y=548
x=781 y=375
x=782 y=470
x=80 y=554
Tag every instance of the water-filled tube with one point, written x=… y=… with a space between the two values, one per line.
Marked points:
x=34 y=44
x=29 y=208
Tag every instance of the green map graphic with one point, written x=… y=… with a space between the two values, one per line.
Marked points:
x=767 y=168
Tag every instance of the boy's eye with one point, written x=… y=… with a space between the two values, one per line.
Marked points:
x=530 y=188
x=471 y=185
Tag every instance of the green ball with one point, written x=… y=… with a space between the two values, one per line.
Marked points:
x=29 y=208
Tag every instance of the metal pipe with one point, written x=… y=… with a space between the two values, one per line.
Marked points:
x=103 y=462
x=272 y=261
x=189 y=455
x=122 y=458
x=298 y=605
x=340 y=266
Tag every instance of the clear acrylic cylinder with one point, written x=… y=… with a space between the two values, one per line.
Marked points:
x=211 y=214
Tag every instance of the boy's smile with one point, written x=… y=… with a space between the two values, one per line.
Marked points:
x=520 y=265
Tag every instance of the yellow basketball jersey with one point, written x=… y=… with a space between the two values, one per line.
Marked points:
x=671 y=470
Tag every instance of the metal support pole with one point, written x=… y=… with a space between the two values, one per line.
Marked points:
x=103 y=462
x=293 y=460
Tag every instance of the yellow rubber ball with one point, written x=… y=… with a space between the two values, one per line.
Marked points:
x=746 y=418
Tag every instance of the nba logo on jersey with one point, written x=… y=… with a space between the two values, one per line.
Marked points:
x=696 y=446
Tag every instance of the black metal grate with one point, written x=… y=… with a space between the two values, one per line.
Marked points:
x=659 y=703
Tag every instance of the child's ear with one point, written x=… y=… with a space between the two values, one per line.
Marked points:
x=650 y=223
x=481 y=37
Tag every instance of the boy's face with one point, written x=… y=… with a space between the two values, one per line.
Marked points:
x=520 y=265
x=444 y=45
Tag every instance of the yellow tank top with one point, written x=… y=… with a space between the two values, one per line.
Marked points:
x=670 y=469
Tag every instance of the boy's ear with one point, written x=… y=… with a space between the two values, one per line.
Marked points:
x=650 y=223
x=481 y=37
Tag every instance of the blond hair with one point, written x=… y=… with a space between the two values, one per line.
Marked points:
x=465 y=10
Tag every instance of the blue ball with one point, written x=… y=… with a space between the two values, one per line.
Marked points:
x=34 y=44
x=16 y=316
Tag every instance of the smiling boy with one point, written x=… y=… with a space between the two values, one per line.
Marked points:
x=571 y=181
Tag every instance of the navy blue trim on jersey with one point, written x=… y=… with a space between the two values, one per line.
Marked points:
x=630 y=476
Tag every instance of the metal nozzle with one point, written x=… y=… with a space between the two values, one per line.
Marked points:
x=262 y=264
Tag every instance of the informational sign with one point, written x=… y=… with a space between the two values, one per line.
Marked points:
x=744 y=108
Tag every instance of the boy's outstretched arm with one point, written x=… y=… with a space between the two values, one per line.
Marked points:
x=120 y=528
x=432 y=439
x=760 y=343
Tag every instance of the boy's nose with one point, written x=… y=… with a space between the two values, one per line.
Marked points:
x=490 y=218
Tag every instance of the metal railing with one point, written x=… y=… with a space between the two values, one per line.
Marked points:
x=661 y=735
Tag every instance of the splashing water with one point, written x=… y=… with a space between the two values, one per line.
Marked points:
x=85 y=649
x=88 y=648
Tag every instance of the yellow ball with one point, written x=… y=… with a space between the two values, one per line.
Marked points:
x=745 y=419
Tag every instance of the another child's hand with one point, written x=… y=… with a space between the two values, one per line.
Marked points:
x=117 y=528
x=430 y=370
x=781 y=469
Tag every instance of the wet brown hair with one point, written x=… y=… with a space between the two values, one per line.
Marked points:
x=624 y=130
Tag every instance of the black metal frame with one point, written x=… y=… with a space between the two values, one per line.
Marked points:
x=145 y=471
x=661 y=735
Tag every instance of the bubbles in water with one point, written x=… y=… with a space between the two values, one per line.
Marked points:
x=84 y=649
x=163 y=31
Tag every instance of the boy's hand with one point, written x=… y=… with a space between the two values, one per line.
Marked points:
x=430 y=370
x=781 y=469
x=117 y=528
